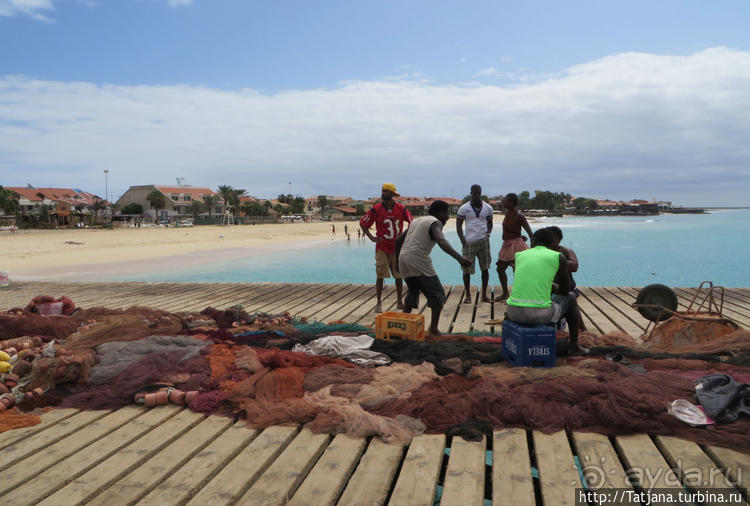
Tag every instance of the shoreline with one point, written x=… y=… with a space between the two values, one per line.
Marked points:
x=64 y=254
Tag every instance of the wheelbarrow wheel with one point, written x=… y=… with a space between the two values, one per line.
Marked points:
x=656 y=295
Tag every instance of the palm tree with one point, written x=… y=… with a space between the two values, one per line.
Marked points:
x=113 y=209
x=322 y=203
x=157 y=200
x=98 y=205
x=210 y=201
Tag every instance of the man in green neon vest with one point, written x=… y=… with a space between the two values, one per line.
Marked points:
x=541 y=289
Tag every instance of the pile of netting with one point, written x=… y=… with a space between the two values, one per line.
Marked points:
x=231 y=363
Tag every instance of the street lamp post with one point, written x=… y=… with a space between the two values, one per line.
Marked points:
x=106 y=186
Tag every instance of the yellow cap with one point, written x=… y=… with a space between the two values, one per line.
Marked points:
x=392 y=188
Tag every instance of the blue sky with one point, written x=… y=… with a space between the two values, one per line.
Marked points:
x=607 y=99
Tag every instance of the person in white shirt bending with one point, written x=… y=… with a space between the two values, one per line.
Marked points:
x=477 y=215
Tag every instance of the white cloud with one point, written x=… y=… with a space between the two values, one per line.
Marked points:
x=489 y=71
x=38 y=9
x=32 y=8
x=629 y=125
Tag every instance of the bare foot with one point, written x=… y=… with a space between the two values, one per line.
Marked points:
x=486 y=299
x=378 y=308
x=467 y=300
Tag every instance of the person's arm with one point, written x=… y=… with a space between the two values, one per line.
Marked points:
x=572 y=259
x=489 y=224
x=436 y=234
x=525 y=225
x=366 y=222
x=562 y=277
x=460 y=230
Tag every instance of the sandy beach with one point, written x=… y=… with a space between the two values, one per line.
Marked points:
x=39 y=254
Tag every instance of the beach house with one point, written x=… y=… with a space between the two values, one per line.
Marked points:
x=177 y=202
x=59 y=206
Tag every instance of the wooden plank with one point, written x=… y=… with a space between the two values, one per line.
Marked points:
x=97 y=479
x=465 y=315
x=558 y=473
x=285 y=291
x=602 y=301
x=342 y=295
x=450 y=308
x=327 y=479
x=735 y=465
x=644 y=463
x=512 y=482
x=601 y=467
x=599 y=317
x=294 y=298
x=324 y=299
x=161 y=466
x=372 y=479
x=484 y=313
x=49 y=419
x=353 y=300
x=262 y=297
x=45 y=483
x=243 y=471
x=32 y=446
x=190 y=478
x=417 y=481
x=695 y=469
x=280 y=481
x=464 y=477
x=623 y=303
x=365 y=315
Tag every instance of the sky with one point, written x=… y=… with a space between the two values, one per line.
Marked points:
x=603 y=99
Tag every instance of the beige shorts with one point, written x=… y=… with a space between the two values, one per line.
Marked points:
x=385 y=264
x=480 y=250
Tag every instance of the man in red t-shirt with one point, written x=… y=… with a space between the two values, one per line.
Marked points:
x=389 y=217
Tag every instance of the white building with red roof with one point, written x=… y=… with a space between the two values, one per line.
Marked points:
x=179 y=200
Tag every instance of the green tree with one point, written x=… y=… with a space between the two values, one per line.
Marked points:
x=211 y=202
x=468 y=198
x=98 y=206
x=360 y=208
x=157 y=200
x=323 y=204
x=231 y=197
x=584 y=204
x=9 y=201
x=133 y=208
x=298 y=206
x=524 y=202
x=196 y=208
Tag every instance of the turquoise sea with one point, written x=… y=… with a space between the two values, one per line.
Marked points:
x=676 y=250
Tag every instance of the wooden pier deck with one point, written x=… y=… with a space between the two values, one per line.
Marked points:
x=169 y=455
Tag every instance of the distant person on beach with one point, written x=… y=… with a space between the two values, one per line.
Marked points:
x=572 y=260
x=477 y=216
x=537 y=298
x=413 y=249
x=333 y=229
x=389 y=218
x=513 y=241
x=359 y=234
x=346 y=229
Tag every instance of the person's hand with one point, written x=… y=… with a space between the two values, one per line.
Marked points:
x=378 y=239
x=463 y=242
x=465 y=262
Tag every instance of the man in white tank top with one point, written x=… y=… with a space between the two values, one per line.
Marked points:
x=413 y=249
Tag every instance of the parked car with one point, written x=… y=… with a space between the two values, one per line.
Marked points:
x=184 y=223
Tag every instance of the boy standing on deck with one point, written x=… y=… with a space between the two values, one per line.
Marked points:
x=477 y=215
x=413 y=249
x=513 y=241
x=389 y=217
